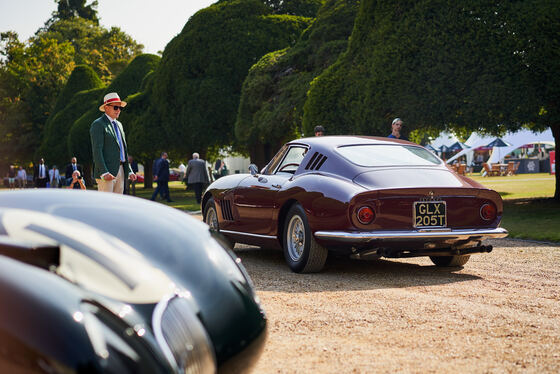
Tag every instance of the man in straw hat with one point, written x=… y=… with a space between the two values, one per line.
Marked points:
x=108 y=144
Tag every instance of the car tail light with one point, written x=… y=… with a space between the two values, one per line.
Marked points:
x=488 y=212
x=366 y=215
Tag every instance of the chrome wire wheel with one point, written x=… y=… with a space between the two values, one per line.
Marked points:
x=212 y=219
x=296 y=238
x=211 y=216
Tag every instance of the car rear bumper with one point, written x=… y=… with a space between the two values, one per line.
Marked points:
x=363 y=237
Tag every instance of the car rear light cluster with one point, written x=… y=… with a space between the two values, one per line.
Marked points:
x=365 y=215
x=488 y=211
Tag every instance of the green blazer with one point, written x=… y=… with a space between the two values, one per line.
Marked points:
x=105 y=148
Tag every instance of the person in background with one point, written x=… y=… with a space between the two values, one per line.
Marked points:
x=182 y=171
x=197 y=175
x=396 y=129
x=54 y=177
x=22 y=177
x=108 y=145
x=77 y=182
x=131 y=186
x=319 y=130
x=41 y=174
x=70 y=168
x=161 y=176
x=220 y=169
x=12 y=177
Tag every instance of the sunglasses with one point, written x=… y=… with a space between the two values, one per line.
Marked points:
x=115 y=107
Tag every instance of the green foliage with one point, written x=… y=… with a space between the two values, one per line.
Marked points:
x=79 y=143
x=32 y=75
x=271 y=106
x=68 y=9
x=477 y=65
x=107 y=51
x=305 y=8
x=69 y=107
x=127 y=83
x=30 y=80
x=82 y=78
x=197 y=87
x=130 y=80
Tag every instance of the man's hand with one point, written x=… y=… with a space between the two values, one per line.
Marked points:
x=132 y=177
x=108 y=177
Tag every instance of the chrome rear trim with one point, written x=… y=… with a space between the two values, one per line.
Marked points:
x=247 y=234
x=440 y=234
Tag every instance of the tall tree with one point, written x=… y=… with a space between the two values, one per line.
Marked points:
x=198 y=84
x=271 y=106
x=30 y=80
x=33 y=73
x=68 y=9
x=54 y=144
x=476 y=65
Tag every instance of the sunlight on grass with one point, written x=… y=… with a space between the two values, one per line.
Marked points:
x=520 y=186
x=182 y=199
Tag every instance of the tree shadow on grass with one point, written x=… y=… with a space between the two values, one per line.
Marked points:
x=269 y=272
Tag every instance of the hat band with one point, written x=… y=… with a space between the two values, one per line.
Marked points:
x=111 y=100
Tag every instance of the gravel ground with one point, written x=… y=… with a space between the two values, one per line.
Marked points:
x=500 y=313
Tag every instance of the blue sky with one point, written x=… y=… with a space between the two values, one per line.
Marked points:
x=150 y=22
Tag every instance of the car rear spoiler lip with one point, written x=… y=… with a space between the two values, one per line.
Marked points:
x=439 y=234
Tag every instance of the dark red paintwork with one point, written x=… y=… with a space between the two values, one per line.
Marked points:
x=251 y=208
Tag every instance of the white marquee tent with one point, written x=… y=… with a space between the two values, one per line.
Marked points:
x=515 y=140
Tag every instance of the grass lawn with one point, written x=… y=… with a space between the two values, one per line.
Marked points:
x=182 y=199
x=529 y=211
x=520 y=186
x=537 y=219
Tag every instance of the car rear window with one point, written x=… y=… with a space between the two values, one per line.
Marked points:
x=388 y=155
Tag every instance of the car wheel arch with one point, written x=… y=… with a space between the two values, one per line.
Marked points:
x=282 y=213
x=205 y=199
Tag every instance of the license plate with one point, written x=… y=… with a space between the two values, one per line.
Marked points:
x=429 y=214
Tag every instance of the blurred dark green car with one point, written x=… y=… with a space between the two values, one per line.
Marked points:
x=105 y=283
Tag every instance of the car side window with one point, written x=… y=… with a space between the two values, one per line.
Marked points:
x=291 y=160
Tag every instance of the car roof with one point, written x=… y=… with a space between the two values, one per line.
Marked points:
x=341 y=140
x=326 y=146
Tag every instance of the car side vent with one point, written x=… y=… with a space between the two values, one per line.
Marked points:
x=227 y=214
x=317 y=160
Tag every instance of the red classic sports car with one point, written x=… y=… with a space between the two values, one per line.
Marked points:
x=362 y=196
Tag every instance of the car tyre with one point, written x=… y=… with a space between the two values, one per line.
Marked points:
x=449 y=261
x=303 y=254
x=210 y=217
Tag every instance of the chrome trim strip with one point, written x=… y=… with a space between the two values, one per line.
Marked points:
x=443 y=234
x=247 y=234
x=158 y=331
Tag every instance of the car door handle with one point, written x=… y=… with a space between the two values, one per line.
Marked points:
x=277 y=186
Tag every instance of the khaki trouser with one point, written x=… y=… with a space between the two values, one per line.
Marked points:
x=116 y=185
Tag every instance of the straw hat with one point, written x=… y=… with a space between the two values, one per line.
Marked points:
x=112 y=98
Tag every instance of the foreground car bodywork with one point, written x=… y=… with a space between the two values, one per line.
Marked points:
x=182 y=248
x=362 y=196
x=78 y=300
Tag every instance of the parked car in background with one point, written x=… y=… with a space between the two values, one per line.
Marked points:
x=173 y=176
x=209 y=279
x=360 y=196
